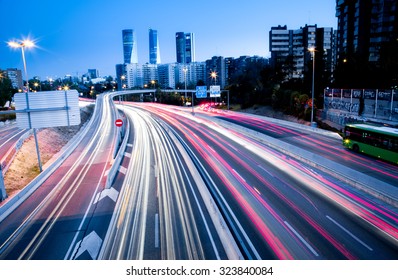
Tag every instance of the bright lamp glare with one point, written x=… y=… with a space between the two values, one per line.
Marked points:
x=24 y=43
x=28 y=43
x=14 y=44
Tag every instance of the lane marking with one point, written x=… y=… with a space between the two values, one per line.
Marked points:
x=302 y=239
x=91 y=243
x=123 y=169
x=239 y=175
x=127 y=155
x=349 y=233
x=266 y=171
x=156 y=230
x=130 y=145
x=211 y=148
x=257 y=191
x=111 y=193
x=157 y=171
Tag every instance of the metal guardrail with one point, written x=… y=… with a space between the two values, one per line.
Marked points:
x=3 y=194
x=118 y=159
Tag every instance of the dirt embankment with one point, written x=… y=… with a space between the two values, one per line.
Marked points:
x=25 y=166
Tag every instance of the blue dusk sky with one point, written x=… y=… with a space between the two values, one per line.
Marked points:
x=73 y=36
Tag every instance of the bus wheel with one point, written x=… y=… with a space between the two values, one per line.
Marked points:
x=355 y=148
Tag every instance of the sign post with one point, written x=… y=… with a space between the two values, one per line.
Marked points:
x=119 y=122
x=33 y=111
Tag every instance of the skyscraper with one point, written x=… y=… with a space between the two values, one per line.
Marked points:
x=364 y=26
x=190 y=47
x=367 y=34
x=289 y=49
x=280 y=44
x=185 y=47
x=180 y=47
x=129 y=46
x=154 y=51
x=217 y=65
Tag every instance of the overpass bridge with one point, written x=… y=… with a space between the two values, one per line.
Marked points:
x=150 y=91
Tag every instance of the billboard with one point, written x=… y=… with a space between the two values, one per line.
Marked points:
x=47 y=109
x=215 y=91
x=201 y=91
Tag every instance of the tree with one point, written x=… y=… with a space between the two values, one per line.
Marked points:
x=6 y=89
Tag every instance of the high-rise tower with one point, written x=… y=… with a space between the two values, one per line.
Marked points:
x=154 y=51
x=366 y=43
x=363 y=26
x=185 y=47
x=129 y=46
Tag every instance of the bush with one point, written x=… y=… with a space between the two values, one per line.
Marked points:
x=5 y=117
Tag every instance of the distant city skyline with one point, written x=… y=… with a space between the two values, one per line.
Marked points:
x=74 y=36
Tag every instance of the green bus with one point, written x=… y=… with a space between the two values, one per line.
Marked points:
x=377 y=141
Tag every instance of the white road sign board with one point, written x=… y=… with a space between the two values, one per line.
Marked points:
x=215 y=91
x=47 y=109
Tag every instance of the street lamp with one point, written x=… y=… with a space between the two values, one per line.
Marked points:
x=213 y=75
x=27 y=44
x=185 y=69
x=23 y=44
x=154 y=99
x=312 y=50
x=37 y=85
x=122 y=78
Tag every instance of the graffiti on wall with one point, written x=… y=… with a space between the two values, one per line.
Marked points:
x=341 y=104
x=369 y=103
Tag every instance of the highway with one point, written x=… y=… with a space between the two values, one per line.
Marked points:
x=51 y=221
x=293 y=211
x=161 y=212
x=327 y=147
x=209 y=185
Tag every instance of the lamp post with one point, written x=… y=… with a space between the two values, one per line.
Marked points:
x=122 y=80
x=185 y=81
x=27 y=44
x=153 y=82
x=312 y=50
x=24 y=44
x=213 y=75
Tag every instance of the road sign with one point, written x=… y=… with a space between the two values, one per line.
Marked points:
x=47 y=109
x=119 y=122
x=201 y=91
x=215 y=91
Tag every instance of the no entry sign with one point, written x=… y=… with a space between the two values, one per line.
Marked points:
x=119 y=122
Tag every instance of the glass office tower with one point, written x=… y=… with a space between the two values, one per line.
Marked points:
x=185 y=47
x=154 y=51
x=129 y=46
